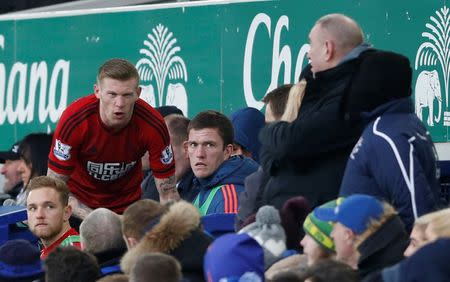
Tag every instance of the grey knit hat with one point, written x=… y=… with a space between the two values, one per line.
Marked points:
x=269 y=233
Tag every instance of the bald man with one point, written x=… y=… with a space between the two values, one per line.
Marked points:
x=307 y=156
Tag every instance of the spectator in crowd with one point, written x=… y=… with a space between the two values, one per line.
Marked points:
x=136 y=217
x=93 y=154
x=234 y=257
x=307 y=156
x=69 y=264
x=10 y=161
x=156 y=267
x=219 y=177
x=368 y=234
x=101 y=236
x=20 y=262
x=430 y=263
x=418 y=237
x=275 y=102
x=330 y=270
x=48 y=213
x=247 y=122
x=33 y=151
x=317 y=243
x=177 y=126
x=269 y=233
x=395 y=158
x=175 y=232
x=250 y=199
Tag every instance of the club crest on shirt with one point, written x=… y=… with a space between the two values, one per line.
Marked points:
x=61 y=150
x=167 y=155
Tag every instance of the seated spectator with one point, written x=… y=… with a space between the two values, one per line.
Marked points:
x=20 y=262
x=69 y=264
x=247 y=123
x=136 y=217
x=177 y=126
x=33 y=150
x=395 y=157
x=101 y=236
x=317 y=243
x=269 y=233
x=156 y=267
x=293 y=214
x=419 y=238
x=430 y=263
x=234 y=257
x=48 y=213
x=219 y=177
x=330 y=270
x=368 y=234
x=175 y=232
x=13 y=184
x=250 y=198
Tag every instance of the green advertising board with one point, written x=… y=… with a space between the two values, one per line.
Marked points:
x=221 y=55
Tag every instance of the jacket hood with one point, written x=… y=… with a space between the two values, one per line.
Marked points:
x=403 y=105
x=233 y=170
x=175 y=226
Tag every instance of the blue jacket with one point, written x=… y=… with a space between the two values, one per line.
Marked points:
x=229 y=177
x=395 y=160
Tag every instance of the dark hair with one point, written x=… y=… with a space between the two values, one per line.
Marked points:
x=156 y=267
x=68 y=264
x=214 y=119
x=34 y=150
x=278 y=99
x=118 y=69
x=50 y=182
x=330 y=270
x=178 y=128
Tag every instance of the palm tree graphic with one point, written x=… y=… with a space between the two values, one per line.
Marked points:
x=161 y=61
x=437 y=47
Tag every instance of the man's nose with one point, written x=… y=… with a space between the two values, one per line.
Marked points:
x=200 y=151
x=120 y=101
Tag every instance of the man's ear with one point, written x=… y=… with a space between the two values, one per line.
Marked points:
x=330 y=50
x=130 y=242
x=228 y=151
x=97 y=91
x=67 y=213
x=138 y=91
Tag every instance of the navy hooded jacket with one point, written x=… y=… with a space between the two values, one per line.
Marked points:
x=230 y=178
x=395 y=160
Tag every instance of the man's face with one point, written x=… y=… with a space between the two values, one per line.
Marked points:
x=311 y=249
x=117 y=99
x=344 y=242
x=47 y=217
x=417 y=240
x=318 y=51
x=12 y=176
x=206 y=151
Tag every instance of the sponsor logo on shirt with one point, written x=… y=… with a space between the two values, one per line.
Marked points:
x=167 y=155
x=108 y=171
x=61 y=150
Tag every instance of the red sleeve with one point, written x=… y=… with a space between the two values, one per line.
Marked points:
x=67 y=136
x=157 y=139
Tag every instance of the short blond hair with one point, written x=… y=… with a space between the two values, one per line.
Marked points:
x=49 y=182
x=439 y=223
x=375 y=224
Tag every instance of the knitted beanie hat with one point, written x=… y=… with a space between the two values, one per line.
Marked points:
x=320 y=230
x=19 y=259
x=269 y=233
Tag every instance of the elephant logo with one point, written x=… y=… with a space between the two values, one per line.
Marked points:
x=433 y=55
x=161 y=64
x=427 y=89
